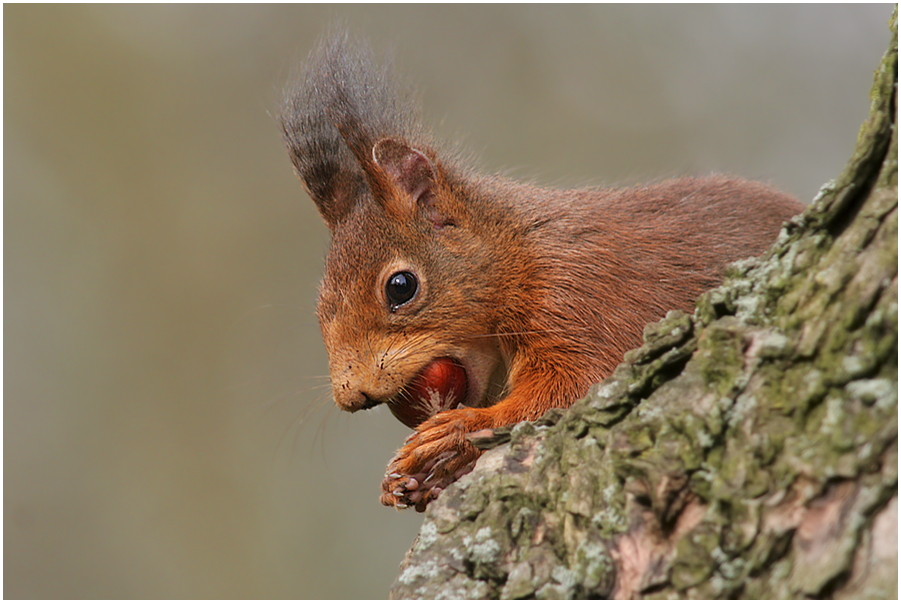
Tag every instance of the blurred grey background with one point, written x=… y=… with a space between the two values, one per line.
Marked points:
x=168 y=426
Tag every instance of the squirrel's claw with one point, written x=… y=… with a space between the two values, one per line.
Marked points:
x=435 y=456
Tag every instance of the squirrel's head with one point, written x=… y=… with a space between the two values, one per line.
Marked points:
x=408 y=284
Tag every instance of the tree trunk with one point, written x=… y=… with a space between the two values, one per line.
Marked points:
x=748 y=450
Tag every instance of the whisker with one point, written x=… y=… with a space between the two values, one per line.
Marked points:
x=296 y=425
x=514 y=333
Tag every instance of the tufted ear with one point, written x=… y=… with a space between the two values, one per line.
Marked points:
x=409 y=170
x=327 y=168
x=334 y=192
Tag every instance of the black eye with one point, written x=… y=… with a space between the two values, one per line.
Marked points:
x=401 y=288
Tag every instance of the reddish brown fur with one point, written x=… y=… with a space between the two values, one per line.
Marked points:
x=554 y=285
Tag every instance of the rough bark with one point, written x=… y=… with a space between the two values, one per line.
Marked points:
x=748 y=450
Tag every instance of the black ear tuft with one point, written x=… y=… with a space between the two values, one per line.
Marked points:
x=328 y=170
x=323 y=161
x=333 y=116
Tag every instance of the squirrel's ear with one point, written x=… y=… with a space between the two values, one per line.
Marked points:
x=329 y=173
x=409 y=170
x=334 y=194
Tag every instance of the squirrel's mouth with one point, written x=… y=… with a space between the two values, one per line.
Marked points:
x=368 y=404
x=441 y=385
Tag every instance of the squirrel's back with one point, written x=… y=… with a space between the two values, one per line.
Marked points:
x=612 y=260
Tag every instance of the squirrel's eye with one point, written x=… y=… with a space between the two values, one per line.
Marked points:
x=401 y=288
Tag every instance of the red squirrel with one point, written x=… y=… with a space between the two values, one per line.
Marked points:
x=438 y=279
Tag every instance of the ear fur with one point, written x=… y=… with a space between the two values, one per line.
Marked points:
x=331 y=118
x=346 y=128
x=332 y=184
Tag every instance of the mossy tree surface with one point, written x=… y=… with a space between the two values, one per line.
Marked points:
x=748 y=450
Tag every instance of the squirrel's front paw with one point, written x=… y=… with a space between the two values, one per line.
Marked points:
x=433 y=457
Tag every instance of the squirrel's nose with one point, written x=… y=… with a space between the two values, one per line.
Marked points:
x=353 y=400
